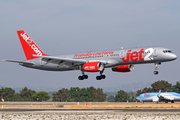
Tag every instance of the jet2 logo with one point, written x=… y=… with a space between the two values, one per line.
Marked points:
x=134 y=56
x=31 y=44
x=137 y=55
x=26 y=38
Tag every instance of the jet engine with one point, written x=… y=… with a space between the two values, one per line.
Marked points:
x=155 y=99
x=123 y=68
x=93 y=67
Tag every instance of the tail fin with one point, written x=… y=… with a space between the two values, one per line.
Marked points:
x=29 y=46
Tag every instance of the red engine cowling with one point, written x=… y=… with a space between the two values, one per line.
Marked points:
x=93 y=67
x=123 y=68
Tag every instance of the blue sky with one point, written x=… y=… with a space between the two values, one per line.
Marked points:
x=61 y=27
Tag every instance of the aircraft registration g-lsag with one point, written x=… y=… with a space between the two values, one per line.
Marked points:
x=122 y=60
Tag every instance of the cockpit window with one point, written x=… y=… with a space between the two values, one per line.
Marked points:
x=167 y=51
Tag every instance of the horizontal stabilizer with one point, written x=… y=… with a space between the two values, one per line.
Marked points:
x=20 y=62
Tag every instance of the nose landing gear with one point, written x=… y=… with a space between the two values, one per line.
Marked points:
x=156 y=68
x=155 y=72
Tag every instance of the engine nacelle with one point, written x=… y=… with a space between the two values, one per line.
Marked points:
x=123 y=68
x=93 y=67
x=155 y=99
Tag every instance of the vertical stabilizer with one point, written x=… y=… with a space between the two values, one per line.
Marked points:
x=29 y=46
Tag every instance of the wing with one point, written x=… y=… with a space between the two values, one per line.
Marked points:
x=166 y=97
x=60 y=60
x=66 y=61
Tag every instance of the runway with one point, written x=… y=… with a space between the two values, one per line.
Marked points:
x=92 y=110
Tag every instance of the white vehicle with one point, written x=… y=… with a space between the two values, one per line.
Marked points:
x=158 y=97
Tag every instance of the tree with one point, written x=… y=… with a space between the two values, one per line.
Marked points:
x=80 y=95
x=7 y=93
x=90 y=93
x=145 y=90
x=17 y=97
x=74 y=94
x=110 y=98
x=121 y=96
x=61 y=96
x=176 y=88
x=161 y=85
x=138 y=92
x=26 y=94
x=41 y=96
x=156 y=86
x=132 y=97
x=98 y=95
x=84 y=95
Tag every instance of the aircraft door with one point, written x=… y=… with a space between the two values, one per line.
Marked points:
x=155 y=52
x=122 y=54
x=42 y=62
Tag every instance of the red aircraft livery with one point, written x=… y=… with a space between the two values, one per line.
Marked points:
x=89 y=54
x=134 y=56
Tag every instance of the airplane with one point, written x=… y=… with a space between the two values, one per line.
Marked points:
x=158 y=97
x=122 y=60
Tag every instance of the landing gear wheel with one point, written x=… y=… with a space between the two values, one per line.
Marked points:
x=172 y=101
x=166 y=101
x=98 y=78
x=81 y=78
x=103 y=76
x=155 y=72
x=85 y=76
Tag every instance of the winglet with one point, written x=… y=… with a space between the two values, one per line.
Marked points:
x=29 y=46
x=159 y=94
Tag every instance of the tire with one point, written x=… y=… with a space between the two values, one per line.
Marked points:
x=81 y=78
x=98 y=78
x=85 y=76
x=155 y=72
x=103 y=76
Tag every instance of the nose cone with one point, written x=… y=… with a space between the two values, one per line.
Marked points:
x=138 y=97
x=173 y=56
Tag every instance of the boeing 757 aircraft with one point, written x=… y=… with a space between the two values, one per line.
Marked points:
x=122 y=60
x=158 y=97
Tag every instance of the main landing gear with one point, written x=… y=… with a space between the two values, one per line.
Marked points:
x=97 y=77
x=156 y=68
x=83 y=76
x=101 y=76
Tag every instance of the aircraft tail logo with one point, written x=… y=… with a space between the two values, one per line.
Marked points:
x=29 y=46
